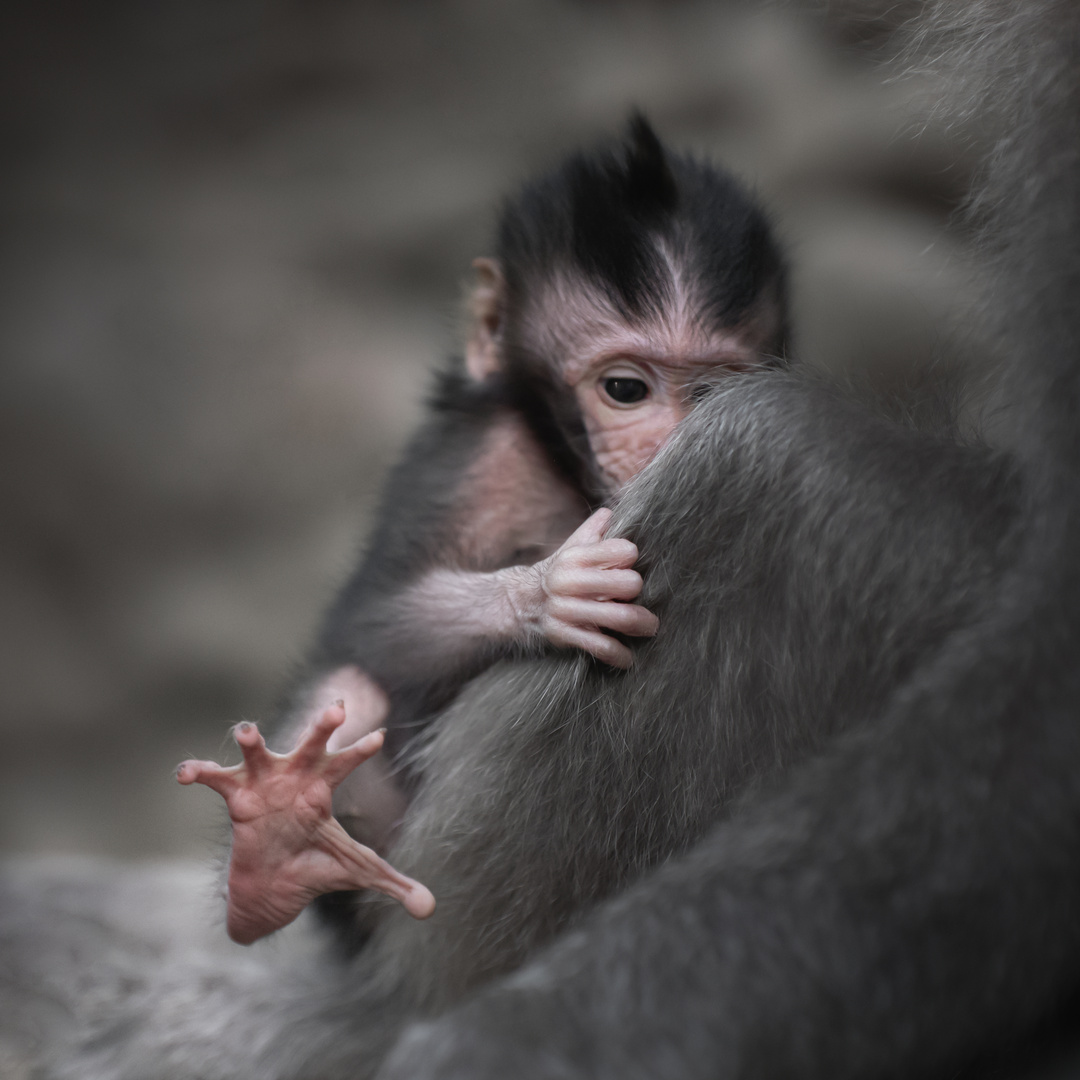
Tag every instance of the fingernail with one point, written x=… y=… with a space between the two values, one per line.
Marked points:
x=244 y=726
x=340 y=703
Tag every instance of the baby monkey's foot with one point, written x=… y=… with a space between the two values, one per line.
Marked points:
x=287 y=846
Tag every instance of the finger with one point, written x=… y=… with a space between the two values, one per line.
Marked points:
x=615 y=554
x=252 y=745
x=363 y=869
x=595 y=644
x=591 y=584
x=629 y=619
x=216 y=777
x=312 y=745
x=418 y=901
x=590 y=531
x=342 y=763
x=415 y=898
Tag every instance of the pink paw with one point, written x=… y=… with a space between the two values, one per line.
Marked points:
x=287 y=846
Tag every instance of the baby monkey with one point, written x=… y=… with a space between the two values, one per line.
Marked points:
x=625 y=281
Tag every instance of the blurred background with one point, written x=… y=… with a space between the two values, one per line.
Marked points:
x=235 y=242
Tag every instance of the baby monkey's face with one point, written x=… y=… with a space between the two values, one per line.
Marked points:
x=631 y=403
x=634 y=381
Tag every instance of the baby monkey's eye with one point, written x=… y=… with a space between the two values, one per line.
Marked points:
x=626 y=390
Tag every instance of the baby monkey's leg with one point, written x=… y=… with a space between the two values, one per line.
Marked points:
x=287 y=846
x=369 y=802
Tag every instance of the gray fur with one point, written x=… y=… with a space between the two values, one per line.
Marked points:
x=827 y=826
x=555 y=783
x=906 y=903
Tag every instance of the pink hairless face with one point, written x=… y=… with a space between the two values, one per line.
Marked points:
x=634 y=381
x=632 y=402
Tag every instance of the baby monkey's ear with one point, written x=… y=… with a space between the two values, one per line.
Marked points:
x=483 y=354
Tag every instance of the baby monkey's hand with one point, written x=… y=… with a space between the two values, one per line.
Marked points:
x=287 y=846
x=581 y=590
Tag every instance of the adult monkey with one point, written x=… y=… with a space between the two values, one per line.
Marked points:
x=909 y=902
x=856 y=920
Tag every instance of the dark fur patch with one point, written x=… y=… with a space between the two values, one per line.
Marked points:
x=606 y=214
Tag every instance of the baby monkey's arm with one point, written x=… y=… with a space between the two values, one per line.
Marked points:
x=568 y=599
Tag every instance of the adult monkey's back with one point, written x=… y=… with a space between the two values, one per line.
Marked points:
x=908 y=901
x=790 y=610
